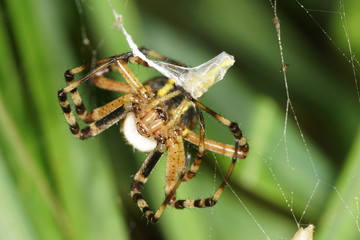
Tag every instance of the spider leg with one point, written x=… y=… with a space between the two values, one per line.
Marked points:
x=103 y=66
x=69 y=78
x=198 y=203
x=131 y=78
x=139 y=181
x=105 y=116
x=96 y=75
x=216 y=147
x=111 y=85
x=198 y=160
x=175 y=164
x=121 y=65
x=206 y=202
x=240 y=141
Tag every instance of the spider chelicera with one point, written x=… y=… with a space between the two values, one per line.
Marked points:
x=158 y=117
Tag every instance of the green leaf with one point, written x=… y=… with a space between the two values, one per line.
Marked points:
x=340 y=220
x=54 y=186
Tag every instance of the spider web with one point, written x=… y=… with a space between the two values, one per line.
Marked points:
x=292 y=124
x=290 y=110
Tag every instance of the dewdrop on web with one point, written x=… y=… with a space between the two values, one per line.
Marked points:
x=197 y=80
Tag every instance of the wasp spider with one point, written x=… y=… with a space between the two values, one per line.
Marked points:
x=158 y=117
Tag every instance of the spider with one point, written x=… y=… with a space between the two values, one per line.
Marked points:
x=158 y=117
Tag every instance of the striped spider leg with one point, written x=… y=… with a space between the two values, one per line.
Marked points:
x=158 y=117
x=100 y=118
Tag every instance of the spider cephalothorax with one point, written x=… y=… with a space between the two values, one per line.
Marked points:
x=158 y=116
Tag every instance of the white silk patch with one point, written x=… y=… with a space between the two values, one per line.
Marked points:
x=138 y=141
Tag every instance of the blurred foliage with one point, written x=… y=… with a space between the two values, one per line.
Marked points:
x=53 y=186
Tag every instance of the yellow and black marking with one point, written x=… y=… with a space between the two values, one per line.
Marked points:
x=94 y=128
x=240 y=142
x=164 y=86
x=179 y=109
x=170 y=85
x=70 y=118
x=103 y=123
x=79 y=106
x=104 y=116
x=199 y=203
x=139 y=181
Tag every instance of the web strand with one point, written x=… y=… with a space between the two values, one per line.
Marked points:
x=351 y=58
x=290 y=108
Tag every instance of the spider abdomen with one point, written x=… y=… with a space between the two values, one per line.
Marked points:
x=162 y=86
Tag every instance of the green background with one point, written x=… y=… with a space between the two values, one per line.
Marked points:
x=54 y=186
